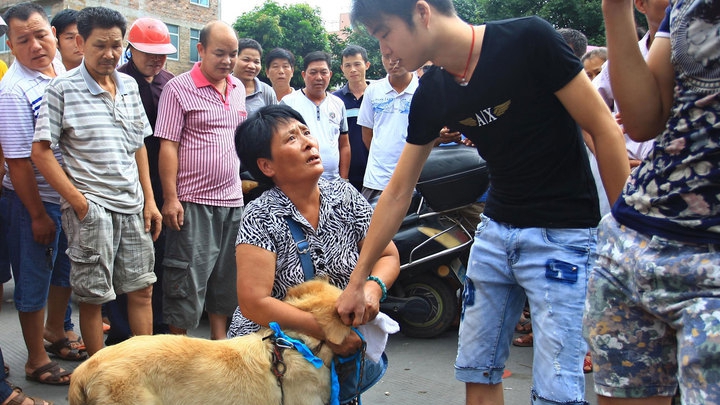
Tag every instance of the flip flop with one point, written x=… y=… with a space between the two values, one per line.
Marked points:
x=523 y=341
x=55 y=377
x=587 y=364
x=524 y=325
x=76 y=341
x=71 y=354
x=77 y=344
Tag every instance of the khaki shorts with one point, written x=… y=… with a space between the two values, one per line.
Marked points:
x=199 y=269
x=110 y=253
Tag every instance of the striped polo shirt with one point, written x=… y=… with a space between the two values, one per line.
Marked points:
x=98 y=136
x=193 y=114
x=21 y=91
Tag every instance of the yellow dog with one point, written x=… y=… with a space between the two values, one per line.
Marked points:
x=179 y=370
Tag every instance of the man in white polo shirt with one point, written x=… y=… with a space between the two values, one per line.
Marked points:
x=384 y=120
x=324 y=114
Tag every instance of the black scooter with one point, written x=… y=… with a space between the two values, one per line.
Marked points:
x=434 y=242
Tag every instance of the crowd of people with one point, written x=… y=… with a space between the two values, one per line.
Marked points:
x=116 y=172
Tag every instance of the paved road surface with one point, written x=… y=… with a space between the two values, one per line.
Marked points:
x=420 y=371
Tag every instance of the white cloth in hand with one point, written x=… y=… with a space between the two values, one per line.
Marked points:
x=376 y=334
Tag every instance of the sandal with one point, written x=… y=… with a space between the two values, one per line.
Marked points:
x=76 y=341
x=524 y=325
x=55 y=378
x=20 y=398
x=77 y=344
x=69 y=353
x=524 y=341
x=587 y=364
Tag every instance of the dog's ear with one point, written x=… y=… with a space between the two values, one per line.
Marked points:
x=335 y=330
x=318 y=297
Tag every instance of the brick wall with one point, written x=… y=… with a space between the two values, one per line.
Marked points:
x=176 y=12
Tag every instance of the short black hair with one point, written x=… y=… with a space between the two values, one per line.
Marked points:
x=253 y=138
x=316 y=56
x=600 y=52
x=90 y=18
x=22 y=12
x=279 y=53
x=352 y=50
x=245 y=43
x=364 y=12
x=63 y=19
x=577 y=40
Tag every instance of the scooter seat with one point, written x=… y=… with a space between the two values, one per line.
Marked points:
x=453 y=176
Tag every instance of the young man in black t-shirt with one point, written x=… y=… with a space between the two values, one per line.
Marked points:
x=515 y=89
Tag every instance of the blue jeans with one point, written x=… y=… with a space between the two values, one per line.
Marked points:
x=5 y=274
x=34 y=266
x=550 y=266
x=5 y=389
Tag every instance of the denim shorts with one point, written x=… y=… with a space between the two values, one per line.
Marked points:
x=5 y=273
x=652 y=301
x=35 y=267
x=110 y=253
x=550 y=266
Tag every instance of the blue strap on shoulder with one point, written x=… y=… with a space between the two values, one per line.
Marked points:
x=297 y=345
x=303 y=247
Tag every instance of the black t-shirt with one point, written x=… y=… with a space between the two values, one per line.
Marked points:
x=539 y=170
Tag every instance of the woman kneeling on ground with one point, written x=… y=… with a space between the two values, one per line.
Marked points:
x=279 y=151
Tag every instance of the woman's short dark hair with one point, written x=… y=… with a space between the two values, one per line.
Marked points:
x=253 y=138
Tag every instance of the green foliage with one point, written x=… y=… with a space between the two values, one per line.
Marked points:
x=469 y=10
x=361 y=37
x=582 y=15
x=297 y=28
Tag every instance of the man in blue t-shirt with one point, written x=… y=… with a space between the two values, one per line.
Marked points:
x=516 y=90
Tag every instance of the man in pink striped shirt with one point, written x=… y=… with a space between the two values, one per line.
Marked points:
x=199 y=169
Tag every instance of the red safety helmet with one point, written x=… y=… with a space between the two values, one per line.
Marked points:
x=150 y=36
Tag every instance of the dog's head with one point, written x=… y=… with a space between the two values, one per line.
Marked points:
x=318 y=297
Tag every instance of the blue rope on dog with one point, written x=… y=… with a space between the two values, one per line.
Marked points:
x=335 y=381
x=334 y=386
x=297 y=345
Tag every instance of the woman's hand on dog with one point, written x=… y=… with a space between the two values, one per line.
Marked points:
x=349 y=346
